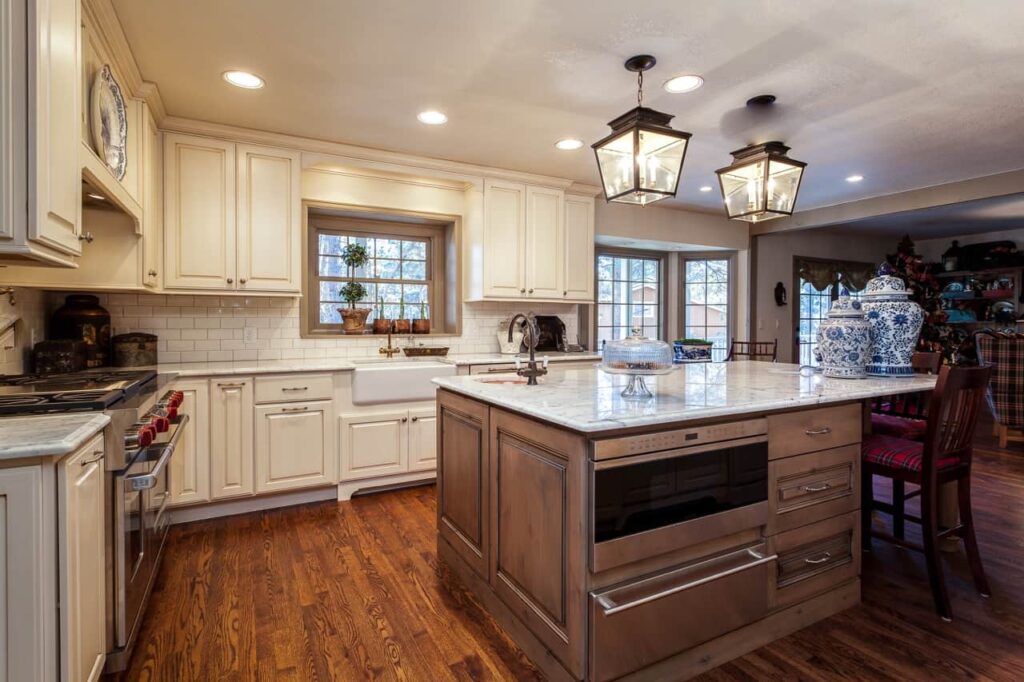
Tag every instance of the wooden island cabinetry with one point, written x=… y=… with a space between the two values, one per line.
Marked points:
x=613 y=551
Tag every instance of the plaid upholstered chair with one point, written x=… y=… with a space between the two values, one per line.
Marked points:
x=943 y=456
x=903 y=416
x=1004 y=353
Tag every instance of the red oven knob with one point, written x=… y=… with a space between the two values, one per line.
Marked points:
x=161 y=424
x=139 y=436
x=173 y=398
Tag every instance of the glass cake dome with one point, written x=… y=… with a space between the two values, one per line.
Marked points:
x=637 y=356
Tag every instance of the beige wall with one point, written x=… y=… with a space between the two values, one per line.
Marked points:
x=775 y=253
x=30 y=308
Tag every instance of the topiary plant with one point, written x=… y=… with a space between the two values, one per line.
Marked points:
x=354 y=256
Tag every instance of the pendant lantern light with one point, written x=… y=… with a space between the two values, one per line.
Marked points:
x=761 y=183
x=640 y=161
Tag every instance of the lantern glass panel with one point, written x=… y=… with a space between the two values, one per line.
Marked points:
x=743 y=188
x=615 y=159
x=783 y=182
x=661 y=157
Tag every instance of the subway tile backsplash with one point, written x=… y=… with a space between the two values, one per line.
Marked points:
x=223 y=328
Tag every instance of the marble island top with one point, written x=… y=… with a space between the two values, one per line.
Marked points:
x=48 y=435
x=588 y=400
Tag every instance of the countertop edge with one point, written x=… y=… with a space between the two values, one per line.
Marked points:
x=56 y=447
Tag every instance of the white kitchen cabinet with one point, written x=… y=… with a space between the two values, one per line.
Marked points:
x=422 y=439
x=269 y=219
x=152 y=201
x=27 y=578
x=579 y=248
x=294 y=446
x=231 y=437
x=504 y=239
x=545 y=243
x=199 y=213
x=190 y=465
x=83 y=577
x=374 y=444
x=40 y=174
x=537 y=244
x=232 y=216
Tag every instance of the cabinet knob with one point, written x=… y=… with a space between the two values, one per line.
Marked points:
x=86 y=237
x=565 y=293
x=405 y=419
x=230 y=281
x=242 y=281
x=415 y=419
x=523 y=290
x=152 y=273
x=531 y=291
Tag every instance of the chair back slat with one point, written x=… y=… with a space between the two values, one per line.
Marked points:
x=953 y=414
x=765 y=351
x=911 y=405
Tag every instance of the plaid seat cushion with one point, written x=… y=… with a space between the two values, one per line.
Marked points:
x=1006 y=389
x=898 y=427
x=898 y=453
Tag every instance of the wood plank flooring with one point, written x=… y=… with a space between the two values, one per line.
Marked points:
x=353 y=591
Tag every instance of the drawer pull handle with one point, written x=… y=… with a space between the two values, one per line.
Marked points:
x=294 y=409
x=295 y=388
x=825 y=556
x=824 y=430
x=817 y=488
x=231 y=385
x=96 y=456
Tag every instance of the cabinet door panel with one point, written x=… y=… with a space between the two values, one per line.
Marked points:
x=55 y=171
x=190 y=464
x=294 y=446
x=152 y=201
x=504 y=239
x=83 y=573
x=269 y=219
x=544 y=242
x=579 y=249
x=231 y=438
x=374 y=445
x=199 y=213
x=422 y=440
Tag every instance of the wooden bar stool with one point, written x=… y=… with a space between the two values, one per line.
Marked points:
x=942 y=457
x=765 y=351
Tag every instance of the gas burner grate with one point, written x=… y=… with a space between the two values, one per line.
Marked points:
x=20 y=401
x=79 y=396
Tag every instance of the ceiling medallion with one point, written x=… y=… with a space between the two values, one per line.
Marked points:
x=641 y=160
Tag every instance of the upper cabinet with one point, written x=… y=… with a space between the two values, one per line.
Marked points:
x=40 y=113
x=536 y=244
x=232 y=216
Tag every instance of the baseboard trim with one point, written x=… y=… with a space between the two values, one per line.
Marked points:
x=251 y=504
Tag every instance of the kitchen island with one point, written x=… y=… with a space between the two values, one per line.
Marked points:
x=655 y=539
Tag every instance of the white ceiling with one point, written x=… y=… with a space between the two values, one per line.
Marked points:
x=969 y=217
x=909 y=94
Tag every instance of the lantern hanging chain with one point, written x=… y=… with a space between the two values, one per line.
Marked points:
x=639 y=88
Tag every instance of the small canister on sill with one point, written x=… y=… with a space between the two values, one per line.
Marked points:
x=59 y=356
x=134 y=349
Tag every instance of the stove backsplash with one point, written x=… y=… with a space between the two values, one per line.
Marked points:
x=212 y=328
x=30 y=307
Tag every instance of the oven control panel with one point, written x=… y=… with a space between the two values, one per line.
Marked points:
x=624 y=446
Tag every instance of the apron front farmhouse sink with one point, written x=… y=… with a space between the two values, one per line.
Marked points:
x=396 y=381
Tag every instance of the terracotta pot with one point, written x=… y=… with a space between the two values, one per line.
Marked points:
x=402 y=326
x=353 y=320
x=381 y=326
x=421 y=326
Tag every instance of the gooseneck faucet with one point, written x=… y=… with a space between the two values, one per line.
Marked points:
x=531 y=337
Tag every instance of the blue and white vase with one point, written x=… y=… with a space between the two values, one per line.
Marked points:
x=895 y=325
x=844 y=340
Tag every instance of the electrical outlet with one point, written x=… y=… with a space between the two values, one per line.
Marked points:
x=249 y=335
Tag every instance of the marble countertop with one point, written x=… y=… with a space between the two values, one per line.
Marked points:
x=194 y=369
x=588 y=400
x=48 y=435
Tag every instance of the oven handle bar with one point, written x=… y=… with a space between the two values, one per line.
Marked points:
x=610 y=607
x=149 y=479
x=603 y=464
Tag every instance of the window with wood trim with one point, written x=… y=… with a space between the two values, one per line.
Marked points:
x=404 y=277
x=707 y=302
x=630 y=294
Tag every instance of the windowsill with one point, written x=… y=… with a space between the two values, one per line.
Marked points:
x=370 y=334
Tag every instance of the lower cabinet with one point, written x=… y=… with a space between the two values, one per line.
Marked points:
x=294 y=446
x=231 y=438
x=385 y=443
x=190 y=465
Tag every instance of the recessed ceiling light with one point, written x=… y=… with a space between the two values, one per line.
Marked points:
x=569 y=144
x=432 y=118
x=686 y=83
x=854 y=178
x=705 y=188
x=97 y=197
x=244 y=79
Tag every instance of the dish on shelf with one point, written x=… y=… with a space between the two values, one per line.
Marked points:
x=109 y=122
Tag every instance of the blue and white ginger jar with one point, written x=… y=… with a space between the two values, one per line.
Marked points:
x=844 y=340
x=895 y=325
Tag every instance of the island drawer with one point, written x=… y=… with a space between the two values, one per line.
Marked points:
x=814 y=559
x=291 y=387
x=795 y=433
x=808 y=488
x=645 y=621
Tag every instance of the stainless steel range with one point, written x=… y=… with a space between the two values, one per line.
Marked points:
x=144 y=428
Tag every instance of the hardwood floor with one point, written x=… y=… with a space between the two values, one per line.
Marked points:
x=351 y=591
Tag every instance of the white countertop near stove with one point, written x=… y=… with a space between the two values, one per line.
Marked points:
x=48 y=434
x=588 y=400
x=195 y=369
